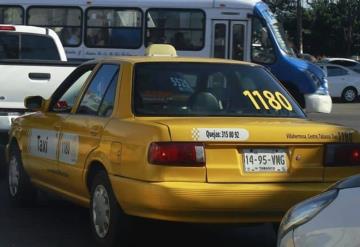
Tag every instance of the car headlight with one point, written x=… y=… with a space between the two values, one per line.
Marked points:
x=305 y=211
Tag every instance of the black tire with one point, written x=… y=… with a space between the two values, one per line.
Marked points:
x=117 y=231
x=20 y=190
x=349 y=95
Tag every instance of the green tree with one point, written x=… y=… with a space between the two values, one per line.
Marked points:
x=330 y=27
x=282 y=6
x=335 y=26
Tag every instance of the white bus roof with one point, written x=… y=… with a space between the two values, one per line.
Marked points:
x=248 y=4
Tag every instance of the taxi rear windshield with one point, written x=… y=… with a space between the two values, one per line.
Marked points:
x=209 y=89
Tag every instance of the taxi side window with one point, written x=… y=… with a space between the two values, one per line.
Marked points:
x=100 y=92
x=107 y=103
x=66 y=95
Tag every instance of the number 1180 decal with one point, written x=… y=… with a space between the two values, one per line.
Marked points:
x=267 y=99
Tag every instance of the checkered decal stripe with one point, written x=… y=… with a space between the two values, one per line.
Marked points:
x=195 y=133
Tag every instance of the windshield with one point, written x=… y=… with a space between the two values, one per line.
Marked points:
x=278 y=31
x=208 y=89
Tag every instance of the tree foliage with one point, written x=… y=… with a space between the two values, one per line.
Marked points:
x=330 y=27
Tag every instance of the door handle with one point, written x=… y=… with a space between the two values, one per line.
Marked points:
x=39 y=76
x=95 y=130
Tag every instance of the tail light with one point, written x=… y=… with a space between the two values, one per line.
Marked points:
x=7 y=28
x=342 y=155
x=177 y=153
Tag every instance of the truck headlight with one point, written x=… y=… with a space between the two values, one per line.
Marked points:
x=305 y=211
x=321 y=86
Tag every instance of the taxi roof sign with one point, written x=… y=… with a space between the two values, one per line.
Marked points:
x=161 y=50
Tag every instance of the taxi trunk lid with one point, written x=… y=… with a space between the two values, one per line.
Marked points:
x=265 y=150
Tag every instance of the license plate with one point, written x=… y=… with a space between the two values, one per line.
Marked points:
x=265 y=160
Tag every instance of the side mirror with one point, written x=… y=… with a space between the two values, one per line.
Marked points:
x=34 y=103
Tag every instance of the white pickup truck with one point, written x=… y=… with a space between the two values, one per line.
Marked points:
x=32 y=62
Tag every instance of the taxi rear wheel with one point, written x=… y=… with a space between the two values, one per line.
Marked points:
x=110 y=226
x=20 y=190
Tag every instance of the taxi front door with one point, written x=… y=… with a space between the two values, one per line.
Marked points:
x=41 y=156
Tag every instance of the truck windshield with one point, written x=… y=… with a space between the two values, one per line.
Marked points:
x=209 y=89
x=278 y=31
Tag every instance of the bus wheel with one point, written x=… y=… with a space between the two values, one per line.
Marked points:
x=21 y=191
x=110 y=226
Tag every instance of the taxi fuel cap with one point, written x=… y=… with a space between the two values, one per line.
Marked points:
x=161 y=50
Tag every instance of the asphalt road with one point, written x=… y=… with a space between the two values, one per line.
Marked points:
x=344 y=114
x=56 y=223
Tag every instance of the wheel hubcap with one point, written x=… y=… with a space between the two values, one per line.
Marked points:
x=101 y=211
x=14 y=176
x=350 y=95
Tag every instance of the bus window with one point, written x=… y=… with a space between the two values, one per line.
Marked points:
x=113 y=28
x=65 y=21
x=262 y=49
x=11 y=15
x=184 y=29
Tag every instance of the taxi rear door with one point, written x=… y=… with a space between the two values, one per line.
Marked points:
x=81 y=132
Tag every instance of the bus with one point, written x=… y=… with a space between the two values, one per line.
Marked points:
x=231 y=29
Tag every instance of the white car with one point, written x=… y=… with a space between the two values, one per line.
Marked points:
x=344 y=83
x=345 y=62
x=328 y=220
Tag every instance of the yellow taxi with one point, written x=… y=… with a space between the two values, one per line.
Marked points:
x=174 y=138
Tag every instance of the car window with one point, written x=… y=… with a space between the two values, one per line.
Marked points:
x=206 y=89
x=99 y=85
x=38 y=47
x=27 y=46
x=344 y=63
x=336 y=71
x=356 y=70
x=9 y=46
x=107 y=104
x=65 y=101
